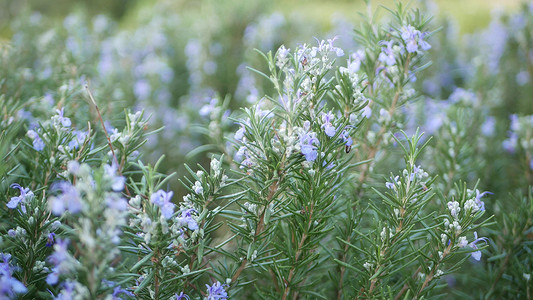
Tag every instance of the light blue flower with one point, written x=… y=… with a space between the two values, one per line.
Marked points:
x=186 y=218
x=51 y=239
x=9 y=286
x=367 y=112
x=488 y=127
x=38 y=143
x=181 y=296
x=413 y=38
x=118 y=290
x=216 y=291
x=64 y=120
x=68 y=200
x=308 y=141
x=117 y=182
x=329 y=129
x=346 y=138
x=22 y=198
x=392 y=184
x=477 y=254
x=387 y=56
x=58 y=258
x=67 y=291
x=239 y=135
x=142 y=89
x=480 y=203
x=78 y=139
x=163 y=200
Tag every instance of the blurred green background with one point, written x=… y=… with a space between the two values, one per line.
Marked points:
x=469 y=14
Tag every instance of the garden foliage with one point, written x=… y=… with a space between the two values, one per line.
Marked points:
x=395 y=165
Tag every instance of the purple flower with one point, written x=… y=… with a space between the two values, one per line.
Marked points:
x=64 y=120
x=423 y=44
x=511 y=143
x=387 y=56
x=239 y=135
x=38 y=143
x=79 y=138
x=477 y=254
x=409 y=35
x=414 y=38
x=181 y=296
x=395 y=180
x=480 y=203
x=142 y=89
x=488 y=126
x=51 y=239
x=346 y=138
x=117 y=182
x=515 y=123
x=163 y=200
x=58 y=258
x=367 y=112
x=208 y=108
x=161 y=197
x=354 y=62
x=186 y=218
x=22 y=199
x=68 y=200
x=115 y=201
x=118 y=290
x=337 y=50
x=329 y=129
x=216 y=291
x=307 y=145
x=9 y=286
x=66 y=292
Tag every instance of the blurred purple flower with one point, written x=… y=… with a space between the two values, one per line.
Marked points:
x=57 y=258
x=67 y=291
x=387 y=56
x=510 y=143
x=409 y=35
x=38 y=143
x=522 y=78
x=64 y=120
x=367 y=112
x=142 y=89
x=78 y=139
x=515 y=123
x=9 y=286
x=117 y=182
x=354 y=62
x=487 y=129
x=239 y=135
x=68 y=200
